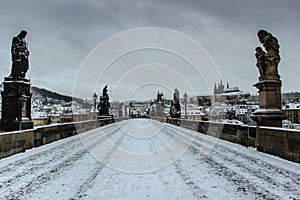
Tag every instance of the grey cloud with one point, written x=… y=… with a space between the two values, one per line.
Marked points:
x=62 y=33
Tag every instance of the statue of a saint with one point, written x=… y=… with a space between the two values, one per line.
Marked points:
x=19 y=56
x=104 y=91
x=159 y=97
x=271 y=57
x=261 y=62
x=175 y=110
x=176 y=96
x=104 y=104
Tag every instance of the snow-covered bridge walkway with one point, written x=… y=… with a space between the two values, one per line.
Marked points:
x=145 y=159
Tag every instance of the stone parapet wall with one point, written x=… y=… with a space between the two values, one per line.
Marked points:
x=240 y=134
x=281 y=142
x=19 y=141
x=284 y=143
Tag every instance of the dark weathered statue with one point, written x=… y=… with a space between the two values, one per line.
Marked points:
x=159 y=97
x=175 y=110
x=267 y=62
x=19 y=56
x=104 y=105
x=269 y=84
x=261 y=62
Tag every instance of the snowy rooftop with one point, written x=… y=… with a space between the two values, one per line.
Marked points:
x=232 y=89
x=291 y=106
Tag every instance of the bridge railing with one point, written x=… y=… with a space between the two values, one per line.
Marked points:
x=19 y=141
x=281 y=142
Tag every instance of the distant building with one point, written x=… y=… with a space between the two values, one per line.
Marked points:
x=292 y=112
x=290 y=97
x=138 y=109
x=243 y=114
x=92 y=114
x=117 y=109
x=39 y=121
x=288 y=124
x=194 y=114
x=205 y=100
x=77 y=117
x=66 y=113
x=235 y=96
x=219 y=88
x=230 y=95
x=54 y=118
x=217 y=112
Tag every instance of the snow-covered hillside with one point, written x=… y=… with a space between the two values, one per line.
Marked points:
x=184 y=165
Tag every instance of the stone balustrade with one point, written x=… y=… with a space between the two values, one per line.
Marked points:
x=19 y=141
x=272 y=140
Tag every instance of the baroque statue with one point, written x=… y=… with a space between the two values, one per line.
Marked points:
x=261 y=62
x=269 y=84
x=159 y=97
x=19 y=56
x=175 y=110
x=267 y=62
x=104 y=105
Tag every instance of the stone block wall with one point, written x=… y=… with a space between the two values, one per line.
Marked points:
x=19 y=141
x=15 y=142
x=240 y=134
x=284 y=143
x=281 y=142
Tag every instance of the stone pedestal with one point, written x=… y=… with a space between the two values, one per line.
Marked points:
x=269 y=112
x=16 y=105
x=158 y=110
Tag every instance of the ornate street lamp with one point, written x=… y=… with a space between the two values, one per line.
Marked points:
x=185 y=101
x=95 y=99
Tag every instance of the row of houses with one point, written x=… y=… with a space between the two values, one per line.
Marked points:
x=53 y=113
x=227 y=105
x=292 y=112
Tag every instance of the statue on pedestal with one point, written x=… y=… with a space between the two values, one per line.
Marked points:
x=104 y=105
x=16 y=95
x=159 y=97
x=175 y=110
x=269 y=85
x=19 y=56
x=267 y=62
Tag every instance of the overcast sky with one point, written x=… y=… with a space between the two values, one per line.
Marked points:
x=61 y=34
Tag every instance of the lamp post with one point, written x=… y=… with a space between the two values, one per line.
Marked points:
x=185 y=101
x=95 y=99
